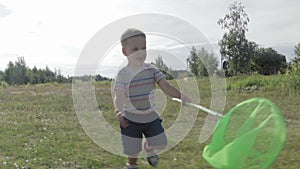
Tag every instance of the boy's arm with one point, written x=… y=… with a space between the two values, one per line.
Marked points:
x=172 y=91
x=119 y=98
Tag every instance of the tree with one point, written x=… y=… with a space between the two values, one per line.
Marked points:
x=16 y=72
x=208 y=63
x=9 y=73
x=297 y=53
x=193 y=61
x=296 y=61
x=297 y=50
x=169 y=73
x=159 y=63
x=270 y=61
x=201 y=62
x=34 y=76
x=1 y=76
x=234 y=46
x=252 y=51
x=98 y=77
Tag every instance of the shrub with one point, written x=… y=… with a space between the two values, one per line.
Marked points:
x=3 y=84
x=294 y=79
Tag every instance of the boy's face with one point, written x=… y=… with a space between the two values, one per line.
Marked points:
x=135 y=50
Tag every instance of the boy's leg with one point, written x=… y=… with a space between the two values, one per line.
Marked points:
x=132 y=161
x=132 y=143
x=150 y=149
x=155 y=136
x=151 y=155
x=155 y=140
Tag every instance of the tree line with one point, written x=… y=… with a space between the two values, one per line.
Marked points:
x=18 y=73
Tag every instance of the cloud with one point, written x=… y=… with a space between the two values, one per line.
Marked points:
x=286 y=50
x=6 y=58
x=4 y=11
x=273 y=23
x=71 y=50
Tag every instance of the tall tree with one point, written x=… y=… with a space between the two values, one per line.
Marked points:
x=234 y=46
x=297 y=50
x=208 y=63
x=169 y=73
x=193 y=61
x=16 y=72
x=296 y=60
x=1 y=76
x=201 y=62
x=252 y=52
x=159 y=63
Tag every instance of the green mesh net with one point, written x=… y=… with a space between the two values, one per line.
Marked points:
x=249 y=136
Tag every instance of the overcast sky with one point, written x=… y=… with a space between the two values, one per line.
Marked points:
x=53 y=32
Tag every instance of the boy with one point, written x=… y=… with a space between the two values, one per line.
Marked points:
x=134 y=100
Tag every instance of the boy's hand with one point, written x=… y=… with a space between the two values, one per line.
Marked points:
x=185 y=99
x=122 y=121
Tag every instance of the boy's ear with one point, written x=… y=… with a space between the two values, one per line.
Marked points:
x=124 y=51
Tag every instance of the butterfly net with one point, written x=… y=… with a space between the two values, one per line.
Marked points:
x=249 y=136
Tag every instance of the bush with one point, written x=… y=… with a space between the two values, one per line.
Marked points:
x=294 y=79
x=3 y=84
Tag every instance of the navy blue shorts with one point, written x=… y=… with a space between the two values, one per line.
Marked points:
x=133 y=134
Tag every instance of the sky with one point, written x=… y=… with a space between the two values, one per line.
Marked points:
x=53 y=33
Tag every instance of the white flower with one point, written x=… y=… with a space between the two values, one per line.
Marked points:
x=16 y=165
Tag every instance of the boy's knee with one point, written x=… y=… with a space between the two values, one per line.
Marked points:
x=164 y=144
x=159 y=142
x=131 y=145
x=160 y=147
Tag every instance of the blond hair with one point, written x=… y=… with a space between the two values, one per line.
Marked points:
x=129 y=33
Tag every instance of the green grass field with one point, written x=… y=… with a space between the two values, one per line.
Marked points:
x=39 y=127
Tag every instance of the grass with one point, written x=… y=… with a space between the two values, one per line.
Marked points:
x=39 y=127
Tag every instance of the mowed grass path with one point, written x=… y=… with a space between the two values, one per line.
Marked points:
x=39 y=128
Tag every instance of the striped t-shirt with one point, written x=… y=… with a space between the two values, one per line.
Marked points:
x=139 y=86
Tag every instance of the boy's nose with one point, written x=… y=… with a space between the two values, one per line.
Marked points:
x=141 y=53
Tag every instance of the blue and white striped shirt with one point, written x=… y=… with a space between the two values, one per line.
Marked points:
x=139 y=86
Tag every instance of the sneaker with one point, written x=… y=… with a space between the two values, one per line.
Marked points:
x=153 y=160
x=152 y=157
x=131 y=166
